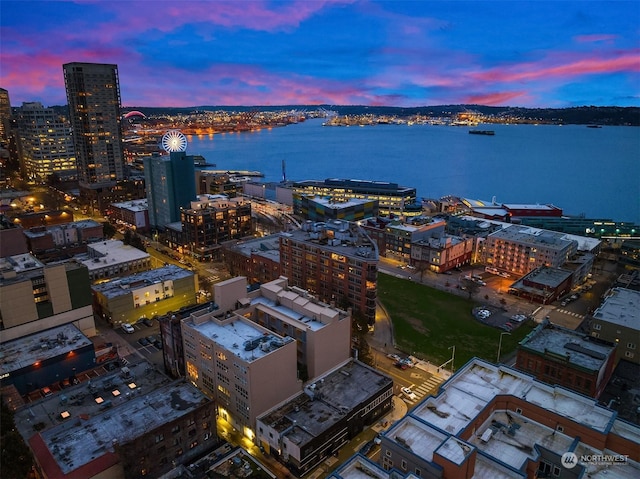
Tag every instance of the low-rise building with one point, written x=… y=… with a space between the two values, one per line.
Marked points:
x=112 y=258
x=543 y=285
x=258 y=259
x=496 y=422
x=442 y=253
x=400 y=236
x=564 y=357
x=142 y=434
x=41 y=359
x=49 y=243
x=315 y=424
x=617 y=320
x=144 y=295
x=134 y=214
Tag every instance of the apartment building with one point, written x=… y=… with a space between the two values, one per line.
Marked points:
x=520 y=249
x=233 y=346
x=212 y=220
x=234 y=361
x=46 y=144
x=335 y=261
x=53 y=242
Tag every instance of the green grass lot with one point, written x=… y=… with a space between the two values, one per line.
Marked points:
x=428 y=321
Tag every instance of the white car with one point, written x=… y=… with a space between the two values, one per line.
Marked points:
x=127 y=328
x=409 y=393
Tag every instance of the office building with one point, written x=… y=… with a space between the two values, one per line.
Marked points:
x=335 y=261
x=5 y=117
x=617 y=320
x=170 y=184
x=315 y=424
x=317 y=208
x=212 y=220
x=563 y=357
x=93 y=94
x=46 y=143
x=495 y=422
x=391 y=197
x=35 y=296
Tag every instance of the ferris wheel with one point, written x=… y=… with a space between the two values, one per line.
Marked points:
x=174 y=140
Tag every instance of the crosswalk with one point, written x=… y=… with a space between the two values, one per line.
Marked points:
x=424 y=389
x=564 y=311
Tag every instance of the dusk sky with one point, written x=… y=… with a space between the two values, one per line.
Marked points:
x=342 y=52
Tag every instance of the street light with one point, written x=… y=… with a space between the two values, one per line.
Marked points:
x=500 y=345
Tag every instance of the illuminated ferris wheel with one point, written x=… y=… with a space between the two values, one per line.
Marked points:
x=174 y=140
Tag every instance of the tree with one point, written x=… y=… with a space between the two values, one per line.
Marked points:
x=16 y=460
x=470 y=286
x=108 y=230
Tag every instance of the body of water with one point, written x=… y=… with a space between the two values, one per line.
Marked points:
x=590 y=171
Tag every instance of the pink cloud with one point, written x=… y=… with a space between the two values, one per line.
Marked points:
x=603 y=37
x=629 y=61
x=495 y=99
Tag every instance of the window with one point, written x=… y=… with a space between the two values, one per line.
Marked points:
x=418 y=472
x=629 y=354
x=556 y=471
x=403 y=465
x=559 y=428
x=597 y=327
x=631 y=346
x=518 y=410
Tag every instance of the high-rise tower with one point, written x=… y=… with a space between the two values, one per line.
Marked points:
x=93 y=93
x=46 y=143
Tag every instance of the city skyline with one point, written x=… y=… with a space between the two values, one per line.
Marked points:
x=403 y=53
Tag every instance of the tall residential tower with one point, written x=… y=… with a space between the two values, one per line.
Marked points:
x=93 y=93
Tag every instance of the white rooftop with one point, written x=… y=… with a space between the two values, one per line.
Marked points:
x=621 y=307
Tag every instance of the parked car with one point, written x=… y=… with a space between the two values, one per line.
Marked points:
x=148 y=322
x=143 y=341
x=127 y=328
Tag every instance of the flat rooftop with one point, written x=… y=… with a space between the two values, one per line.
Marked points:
x=339 y=204
x=326 y=401
x=337 y=236
x=113 y=252
x=38 y=347
x=243 y=338
x=20 y=263
x=267 y=246
x=621 y=307
x=513 y=437
x=579 y=349
x=525 y=234
x=118 y=287
x=40 y=231
x=358 y=185
x=79 y=441
x=133 y=205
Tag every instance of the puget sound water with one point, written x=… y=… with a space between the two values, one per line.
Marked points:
x=590 y=171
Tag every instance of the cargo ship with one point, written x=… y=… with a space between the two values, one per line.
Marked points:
x=482 y=132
